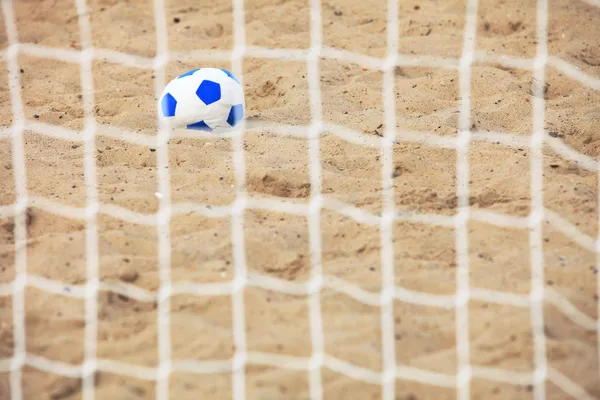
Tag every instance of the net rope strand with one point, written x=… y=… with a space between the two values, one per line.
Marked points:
x=315 y=206
x=386 y=226
x=92 y=206
x=464 y=375
x=164 y=211
x=240 y=280
x=20 y=231
x=391 y=368
x=537 y=203
x=329 y=53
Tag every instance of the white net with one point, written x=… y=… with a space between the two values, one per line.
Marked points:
x=392 y=369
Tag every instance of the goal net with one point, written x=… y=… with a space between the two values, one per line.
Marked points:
x=408 y=211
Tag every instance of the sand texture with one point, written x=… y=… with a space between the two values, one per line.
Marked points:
x=507 y=340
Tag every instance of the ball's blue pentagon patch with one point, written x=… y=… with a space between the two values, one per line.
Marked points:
x=188 y=73
x=200 y=126
x=168 y=105
x=209 y=92
x=229 y=74
x=236 y=113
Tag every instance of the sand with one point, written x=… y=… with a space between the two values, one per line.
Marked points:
x=278 y=167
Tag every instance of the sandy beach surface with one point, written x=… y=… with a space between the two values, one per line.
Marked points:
x=505 y=333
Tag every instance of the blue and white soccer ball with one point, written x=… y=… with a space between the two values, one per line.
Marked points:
x=206 y=99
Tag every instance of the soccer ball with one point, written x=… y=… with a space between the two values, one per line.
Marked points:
x=205 y=99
